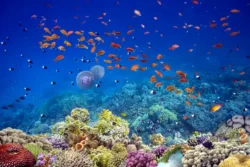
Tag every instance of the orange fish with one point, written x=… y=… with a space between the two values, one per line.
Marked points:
x=215 y=108
x=199 y=94
x=67 y=43
x=143 y=60
x=117 y=66
x=92 y=34
x=110 y=67
x=185 y=117
x=143 y=68
x=55 y=36
x=45 y=45
x=153 y=79
x=158 y=84
x=195 y=2
x=235 y=11
x=130 y=49
x=223 y=18
x=111 y=55
x=117 y=59
x=174 y=46
x=170 y=88
x=53 y=44
x=81 y=39
x=104 y=23
x=234 y=33
x=134 y=67
x=153 y=65
x=48 y=38
x=242 y=73
x=107 y=61
x=78 y=33
x=115 y=45
x=218 y=45
x=178 y=91
x=212 y=25
x=82 y=46
x=64 y=32
x=182 y=74
x=224 y=24
x=58 y=58
x=159 y=56
x=130 y=32
x=183 y=80
x=100 y=53
x=124 y=67
x=193 y=96
x=61 y=48
x=188 y=103
x=188 y=90
x=132 y=58
x=93 y=49
x=46 y=30
x=166 y=67
x=159 y=73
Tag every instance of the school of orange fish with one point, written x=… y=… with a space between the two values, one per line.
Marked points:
x=92 y=41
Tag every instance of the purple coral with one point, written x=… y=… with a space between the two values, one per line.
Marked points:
x=45 y=160
x=140 y=159
x=158 y=151
x=58 y=143
x=201 y=139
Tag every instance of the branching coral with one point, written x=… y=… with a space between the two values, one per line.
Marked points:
x=163 y=114
x=71 y=158
x=157 y=139
x=140 y=158
x=45 y=160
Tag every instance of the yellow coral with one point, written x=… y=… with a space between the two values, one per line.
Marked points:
x=80 y=114
x=101 y=156
x=237 y=160
x=157 y=139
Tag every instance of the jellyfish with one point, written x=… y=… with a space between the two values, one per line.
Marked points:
x=85 y=80
x=98 y=71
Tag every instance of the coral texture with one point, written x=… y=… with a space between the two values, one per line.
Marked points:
x=34 y=149
x=10 y=135
x=15 y=155
x=236 y=161
x=140 y=158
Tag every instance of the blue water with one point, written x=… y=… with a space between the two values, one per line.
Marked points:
x=26 y=43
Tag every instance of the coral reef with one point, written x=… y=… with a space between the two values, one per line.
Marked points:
x=172 y=150
x=237 y=160
x=44 y=160
x=201 y=156
x=140 y=158
x=58 y=142
x=15 y=155
x=71 y=158
x=158 y=151
x=10 y=135
x=34 y=149
x=156 y=139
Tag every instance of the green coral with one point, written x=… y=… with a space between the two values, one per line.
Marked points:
x=232 y=134
x=101 y=156
x=109 y=122
x=164 y=114
x=35 y=149
x=109 y=158
x=170 y=152
x=80 y=114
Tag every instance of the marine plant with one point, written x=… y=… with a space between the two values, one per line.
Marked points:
x=34 y=149
x=169 y=152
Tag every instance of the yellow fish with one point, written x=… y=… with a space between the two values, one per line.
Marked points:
x=215 y=108
x=123 y=114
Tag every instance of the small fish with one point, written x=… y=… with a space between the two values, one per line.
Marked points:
x=235 y=11
x=215 y=108
x=27 y=89
x=218 y=45
x=234 y=33
x=100 y=53
x=11 y=106
x=153 y=92
x=58 y=58
x=4 y=108
x=123 y=114
x=137 y=12
x=134 y=67
x=159 y=73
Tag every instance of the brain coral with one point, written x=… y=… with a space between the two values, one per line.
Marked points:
x=236 y=161
x=14 y=155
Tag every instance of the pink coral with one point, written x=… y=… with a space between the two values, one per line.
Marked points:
x=14 y=155
x=140 y=159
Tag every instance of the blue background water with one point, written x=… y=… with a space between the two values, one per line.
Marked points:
x=26 y=43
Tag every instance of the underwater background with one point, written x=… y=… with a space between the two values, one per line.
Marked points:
x=175 y=70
